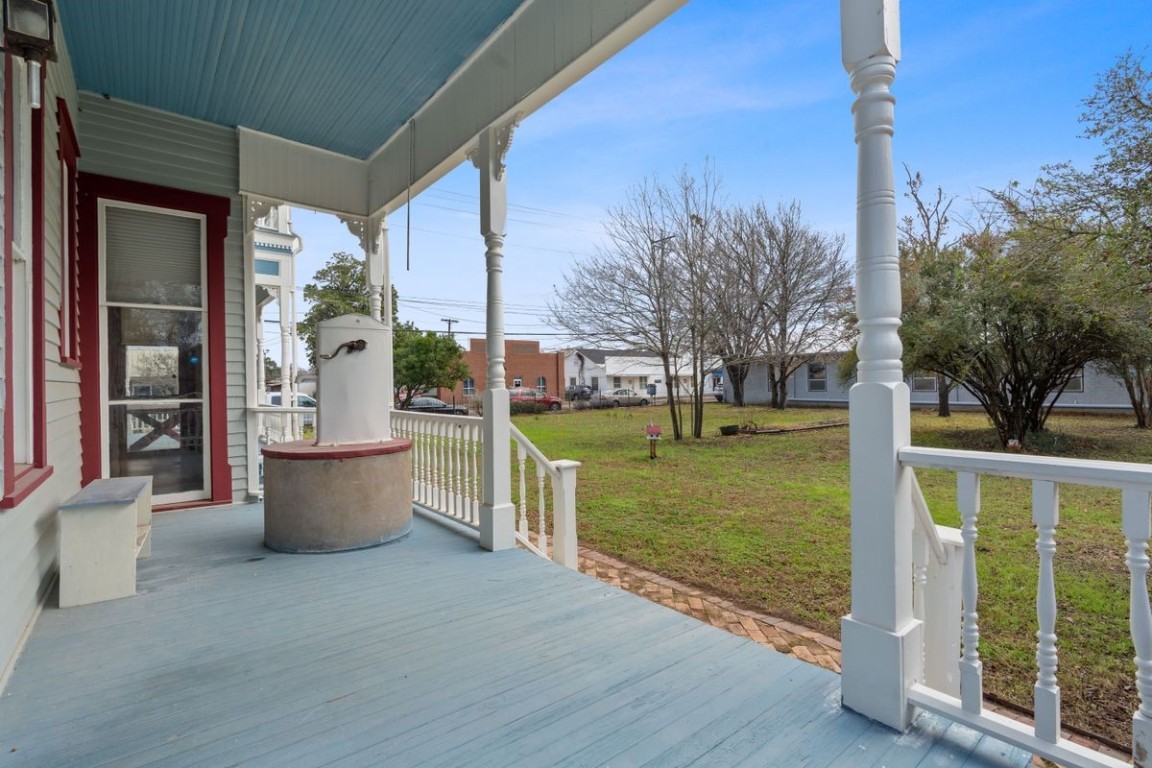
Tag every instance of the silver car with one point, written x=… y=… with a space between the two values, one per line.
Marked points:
x=619 y=397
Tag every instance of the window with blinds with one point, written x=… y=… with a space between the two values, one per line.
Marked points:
x=153 y=258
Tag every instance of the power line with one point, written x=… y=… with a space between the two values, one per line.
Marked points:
x=462 y=197
x=513 y=245
x=529 y=222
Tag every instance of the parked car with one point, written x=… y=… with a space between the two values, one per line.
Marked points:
x=531 y=400
x=578 y=392
x=302 y=401
x=435 y=405
x=621 y=397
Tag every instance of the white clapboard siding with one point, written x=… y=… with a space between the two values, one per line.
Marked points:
x=28 y=533
x=131 y=142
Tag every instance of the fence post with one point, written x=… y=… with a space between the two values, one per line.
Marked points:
x=564 y=544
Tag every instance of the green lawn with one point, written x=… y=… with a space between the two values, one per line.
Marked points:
x=763 y=520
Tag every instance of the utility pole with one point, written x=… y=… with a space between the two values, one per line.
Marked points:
x=451 y=321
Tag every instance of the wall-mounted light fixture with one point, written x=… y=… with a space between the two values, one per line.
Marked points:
x=29 y=32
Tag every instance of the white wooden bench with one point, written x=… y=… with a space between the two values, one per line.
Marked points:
x=103 y=529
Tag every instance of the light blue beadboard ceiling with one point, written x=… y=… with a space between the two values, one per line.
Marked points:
x=341 y=75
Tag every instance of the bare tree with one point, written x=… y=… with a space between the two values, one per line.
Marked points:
x=642 y=291
x=739 y=286
x=809 y=287
x=693 y=207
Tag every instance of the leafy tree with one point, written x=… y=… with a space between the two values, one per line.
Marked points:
x=424 y=360
x=271 y=369
x=1108 y=208
x=1014 y=314
x=340 y=288
x=421 y=360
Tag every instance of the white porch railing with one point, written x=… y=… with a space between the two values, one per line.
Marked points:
x=276 y=424
x=272 y=424
x=947 y=595
x=447 y=460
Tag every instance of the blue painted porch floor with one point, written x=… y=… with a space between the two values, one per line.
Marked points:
x=424 y=652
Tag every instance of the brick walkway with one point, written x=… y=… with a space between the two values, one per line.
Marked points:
x=786 y=637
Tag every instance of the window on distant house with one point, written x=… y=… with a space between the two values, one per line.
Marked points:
x=68 y=151
x=1076 y=383
x=518 y=381
x=595 y=382
x=817 y=377
x=572 y=380
x=541 y=384
x=923 y=381
x=616 y=384
x=469 y=386
x=643 y=383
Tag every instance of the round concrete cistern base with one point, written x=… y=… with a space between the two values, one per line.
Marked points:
x=333 y=498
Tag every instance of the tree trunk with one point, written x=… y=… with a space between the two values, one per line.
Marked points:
x=943 y=391
x=779 y=388
x=1138 y=381
x=782 y=385
x=734 y=386
x=673 y=401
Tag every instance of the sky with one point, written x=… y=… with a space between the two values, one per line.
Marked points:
x=987 y=92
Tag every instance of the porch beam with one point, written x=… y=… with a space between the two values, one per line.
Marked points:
x=881 y=639
x=497 y=513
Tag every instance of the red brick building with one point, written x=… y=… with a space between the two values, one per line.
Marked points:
x=524 y=365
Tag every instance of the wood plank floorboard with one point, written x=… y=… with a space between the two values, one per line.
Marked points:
x=424 y=652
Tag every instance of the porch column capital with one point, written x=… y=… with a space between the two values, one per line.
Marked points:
x=256 y=208
x=358 y=228
x=488 y=156
x=869 y=28
x=501 y=142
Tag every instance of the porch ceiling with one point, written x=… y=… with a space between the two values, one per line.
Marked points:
x=341 y=75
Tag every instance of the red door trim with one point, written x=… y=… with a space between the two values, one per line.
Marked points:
x=39 y=371
x=92 y=189
x=9 y=222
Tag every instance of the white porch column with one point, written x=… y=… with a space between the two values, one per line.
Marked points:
x=261 y=384
x=380 y=303
x=378 y=270
x=284 y=296
x=373 y=235
x=497 y=514
x=256 y=386
x=881 y=639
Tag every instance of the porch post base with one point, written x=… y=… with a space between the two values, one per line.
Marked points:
x=497 y=527
x=878 y=667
